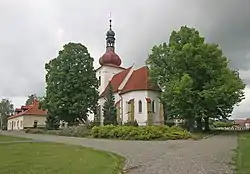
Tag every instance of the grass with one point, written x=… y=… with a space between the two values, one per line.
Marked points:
x=55 y=158
x=4 y=138
x=242 y=158
x=198 y=135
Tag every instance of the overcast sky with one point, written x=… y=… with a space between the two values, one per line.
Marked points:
x=33 y=31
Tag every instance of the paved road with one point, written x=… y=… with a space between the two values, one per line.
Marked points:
x=208 y=156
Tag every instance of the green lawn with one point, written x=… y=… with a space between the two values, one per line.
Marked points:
x=53 y=158
x=242 y=158
x=7 y=138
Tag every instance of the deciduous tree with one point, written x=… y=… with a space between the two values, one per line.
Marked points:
x=195 y=78
x=71 y=91
x=30 y=99
x=6 y=109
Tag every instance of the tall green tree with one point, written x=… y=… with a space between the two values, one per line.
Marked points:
x=30 y=99
x=6 y=109
x=71 y=91
x=195 y=78
x=109 y=109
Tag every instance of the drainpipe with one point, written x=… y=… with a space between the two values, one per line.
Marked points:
x=121 y=106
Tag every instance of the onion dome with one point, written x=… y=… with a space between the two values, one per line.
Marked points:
x=110 y=57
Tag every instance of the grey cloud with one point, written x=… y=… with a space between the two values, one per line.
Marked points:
x=26 y=43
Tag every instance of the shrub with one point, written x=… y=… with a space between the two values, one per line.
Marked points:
x=74 y=131
x=131 y=123
x=35 y=131
x=140 y=133
x=91 y=124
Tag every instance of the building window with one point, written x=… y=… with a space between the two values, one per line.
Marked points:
x=99 y=80
x=18 y=123
x=35 y=124
x=140 y=106
x=153 y=106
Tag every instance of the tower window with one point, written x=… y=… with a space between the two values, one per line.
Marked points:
x=139 y=106
x=99 y=81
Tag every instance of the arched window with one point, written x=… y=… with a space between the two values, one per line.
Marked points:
x=140 y=106
x=153 y=106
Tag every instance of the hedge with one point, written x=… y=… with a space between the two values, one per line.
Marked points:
x=139 y=133
x=74 y=131
x=120 y=132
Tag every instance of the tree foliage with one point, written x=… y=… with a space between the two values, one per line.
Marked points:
x=71 y=91
x=52 y=121
x=30 y=99
x=109 y=109
x=6 y=109
x=195 y=78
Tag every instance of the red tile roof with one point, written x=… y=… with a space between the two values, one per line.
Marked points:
x=31 y=110
x=116 y=81
x=247 y=120
x=139 y=80
x=18 y=109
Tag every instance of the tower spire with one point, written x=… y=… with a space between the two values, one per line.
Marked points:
x=110 y=39
x=110 y=57
x=110 y=21
x=110 y=24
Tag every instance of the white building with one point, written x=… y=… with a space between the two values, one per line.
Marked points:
x=27 y=117
x=135 y=96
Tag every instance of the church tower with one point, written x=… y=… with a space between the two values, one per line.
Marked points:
x=109 y=62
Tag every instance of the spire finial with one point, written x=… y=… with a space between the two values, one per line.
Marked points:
x=110 y=20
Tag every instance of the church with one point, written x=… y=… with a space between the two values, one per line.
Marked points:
x=136 y=98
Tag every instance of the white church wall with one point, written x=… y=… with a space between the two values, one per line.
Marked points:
x=105 y=73
x=154 y=96
x=141 y=117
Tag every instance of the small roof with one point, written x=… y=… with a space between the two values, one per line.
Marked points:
x=247 y=120
x=31 y=110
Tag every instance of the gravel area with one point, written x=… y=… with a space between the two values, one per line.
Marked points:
x=208 y=156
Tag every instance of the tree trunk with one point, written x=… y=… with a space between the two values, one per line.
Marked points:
x=199 y=124
x=207 y=128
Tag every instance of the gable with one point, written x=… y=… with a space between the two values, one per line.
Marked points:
x=116 y=81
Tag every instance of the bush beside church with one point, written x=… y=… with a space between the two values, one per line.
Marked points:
x=120 y=132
